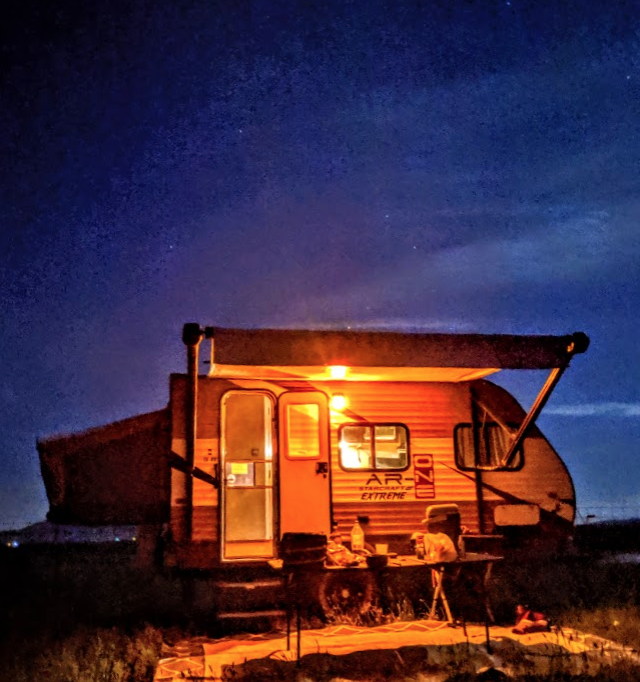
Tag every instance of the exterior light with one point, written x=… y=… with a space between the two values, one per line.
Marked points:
x=337 y=371
x=338 y=402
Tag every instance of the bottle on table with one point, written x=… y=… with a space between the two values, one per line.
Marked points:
x=357 y=538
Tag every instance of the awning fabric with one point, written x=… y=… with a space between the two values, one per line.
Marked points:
x=113 y=474
x=285 y=347
x=316 y=373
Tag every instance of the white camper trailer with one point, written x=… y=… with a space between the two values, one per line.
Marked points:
x=298 y=431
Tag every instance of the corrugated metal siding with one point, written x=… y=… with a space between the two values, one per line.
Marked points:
x=402 y=520
x=206 y=457
x=430 y=412
x=205 y=523
x=205 y=496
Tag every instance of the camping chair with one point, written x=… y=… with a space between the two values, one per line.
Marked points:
x=303 y=556
x=442 y=518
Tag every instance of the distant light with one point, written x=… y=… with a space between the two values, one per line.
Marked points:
x=134 y=538
x=15 y=543
x=338 y=402
x=338 y=371
x=117 y=539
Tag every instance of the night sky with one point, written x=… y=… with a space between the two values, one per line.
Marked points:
x=437 y=166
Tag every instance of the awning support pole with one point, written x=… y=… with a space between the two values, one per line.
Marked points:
x=191 y=336
x=544 y=395
x=476 y=449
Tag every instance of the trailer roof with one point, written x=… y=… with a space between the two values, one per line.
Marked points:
x=281 y=353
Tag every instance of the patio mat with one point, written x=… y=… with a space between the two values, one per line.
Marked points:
x=208 y=659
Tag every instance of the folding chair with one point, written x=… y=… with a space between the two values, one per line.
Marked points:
x=442 y=518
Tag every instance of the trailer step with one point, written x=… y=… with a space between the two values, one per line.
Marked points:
x=272 y=613
x=249 y=585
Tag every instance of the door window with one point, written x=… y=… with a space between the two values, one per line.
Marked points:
x=303 y=431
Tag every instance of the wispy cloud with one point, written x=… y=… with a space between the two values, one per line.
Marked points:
x=574 y=249
x=595 y=410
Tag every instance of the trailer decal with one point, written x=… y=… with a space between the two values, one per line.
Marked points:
x=389 y=486
x=424 y=477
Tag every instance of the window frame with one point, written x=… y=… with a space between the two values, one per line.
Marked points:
x=372 y=425
x=518 y=455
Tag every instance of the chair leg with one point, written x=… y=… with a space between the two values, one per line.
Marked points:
x=436 y=594
x=439 y=595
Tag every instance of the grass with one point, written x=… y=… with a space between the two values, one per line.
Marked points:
x=87 y=614
x=87 y=655
x=83 y=614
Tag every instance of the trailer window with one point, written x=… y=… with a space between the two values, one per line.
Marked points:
x=493 y=445
x=371 y=447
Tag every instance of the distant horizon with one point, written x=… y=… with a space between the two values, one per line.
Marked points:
x=608 y=512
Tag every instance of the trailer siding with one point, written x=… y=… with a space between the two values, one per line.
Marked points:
x=430 y=411
x=204 y=521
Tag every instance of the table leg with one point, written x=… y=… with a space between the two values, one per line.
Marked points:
x=485 y=592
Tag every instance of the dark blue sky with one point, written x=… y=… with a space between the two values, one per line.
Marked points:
x=465 y=166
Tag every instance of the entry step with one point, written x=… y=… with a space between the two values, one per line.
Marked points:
x=271 y=613
x=249 y=584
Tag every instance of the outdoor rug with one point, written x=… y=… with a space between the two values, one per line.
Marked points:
x=447 y=647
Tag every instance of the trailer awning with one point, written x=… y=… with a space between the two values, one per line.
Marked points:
x=113 y=474
x=284 y=353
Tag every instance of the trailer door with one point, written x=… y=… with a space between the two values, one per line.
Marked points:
x=304 y=463
x=247 y=480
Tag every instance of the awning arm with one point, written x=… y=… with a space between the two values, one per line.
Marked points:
x=181 y=464
x=578 y=345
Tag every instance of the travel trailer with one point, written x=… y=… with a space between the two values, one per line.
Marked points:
x=298 y=431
